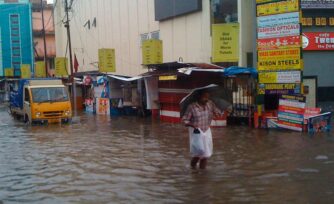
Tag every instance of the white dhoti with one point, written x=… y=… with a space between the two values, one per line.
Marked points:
x=202 y=141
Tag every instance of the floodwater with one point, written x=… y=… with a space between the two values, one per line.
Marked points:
x=100 y=159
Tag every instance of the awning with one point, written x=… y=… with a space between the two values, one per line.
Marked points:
x=124 y=78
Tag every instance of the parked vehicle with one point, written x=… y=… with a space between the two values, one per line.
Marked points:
x=41 y=101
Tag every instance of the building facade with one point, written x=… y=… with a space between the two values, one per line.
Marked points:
x=15 y=37
x=318 y=37
x=49 y=34
x=185 y=30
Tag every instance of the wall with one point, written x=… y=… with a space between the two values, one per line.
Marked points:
x=23 y=38
x=188 y=37
x=247 y=37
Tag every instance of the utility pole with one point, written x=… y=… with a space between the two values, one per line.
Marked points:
x=45 y=51
x=67 y=26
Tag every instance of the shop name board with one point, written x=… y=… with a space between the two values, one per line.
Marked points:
x=317 y=4
x=280 y=77
x=279 y=31
x=318 y=41
x=280 y=64
x=277 y=7
x=225 y=42
x=278 y=19
x=279 y=89
x=318 y=21
x=107 y=61
x=279 y=43
x=279 y=54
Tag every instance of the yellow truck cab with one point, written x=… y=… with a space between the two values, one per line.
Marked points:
x=41 y=101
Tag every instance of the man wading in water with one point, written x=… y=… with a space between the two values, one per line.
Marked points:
x=198 y=118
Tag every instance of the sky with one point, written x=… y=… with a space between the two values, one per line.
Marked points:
x=50 y=1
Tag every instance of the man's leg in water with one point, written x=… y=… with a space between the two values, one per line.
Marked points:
x=202 y=163
x=194 y=162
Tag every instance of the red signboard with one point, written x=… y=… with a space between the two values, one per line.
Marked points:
x=278 y=43
x=318 y=41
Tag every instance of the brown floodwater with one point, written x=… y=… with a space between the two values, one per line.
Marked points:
x=99 y=159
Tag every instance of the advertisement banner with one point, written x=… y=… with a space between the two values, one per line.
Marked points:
x=289 y=109
x=61 y=65
x=25 y=71
x=318 y=41
x=152 y=52
x=317 y=4
x=40 y=69
x=279 y=43
x=279 y=89
x=291 y=112
x=280 y=64
x=292 y=53
x=278 y=31
x=320 y=123
x=9 y=72
x=277 y=7
x=298 y=98
x=225 y=42
x=290 y=125
x=291 y=117
x=103 y=106
x=278 y=19
x=107 y=62
x=291 y=103
x=280 y=77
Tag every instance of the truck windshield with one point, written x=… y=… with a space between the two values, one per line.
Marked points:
x=49 y=94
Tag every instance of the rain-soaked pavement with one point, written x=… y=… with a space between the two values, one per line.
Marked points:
x=131 y=160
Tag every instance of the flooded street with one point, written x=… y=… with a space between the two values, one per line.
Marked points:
x=129 y=160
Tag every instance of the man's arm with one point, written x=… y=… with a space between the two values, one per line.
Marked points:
x=187 y=117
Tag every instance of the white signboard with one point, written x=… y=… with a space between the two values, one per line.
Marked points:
x=278 y=19
x=279 y=31
x=289 y=77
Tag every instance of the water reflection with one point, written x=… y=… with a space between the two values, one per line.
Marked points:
x=129 y=160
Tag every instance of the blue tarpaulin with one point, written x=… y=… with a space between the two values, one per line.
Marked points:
x=234 y=70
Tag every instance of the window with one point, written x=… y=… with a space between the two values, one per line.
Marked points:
x=55 y=94
x=26 y=95
x=224 y=11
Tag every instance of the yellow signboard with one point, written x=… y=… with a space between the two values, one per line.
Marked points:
x=61 y=65
x=152 y=52
x=277 y=7
x=289 y=63
x=107 y=61
x=40 y=69
x=292 y=53
x=9 y=72
x=25 y=71
x=167 y=78
x=225 y=42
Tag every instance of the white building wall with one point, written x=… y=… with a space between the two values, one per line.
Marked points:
x=188 y=37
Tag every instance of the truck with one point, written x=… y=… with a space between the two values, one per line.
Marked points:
x=41 y=101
